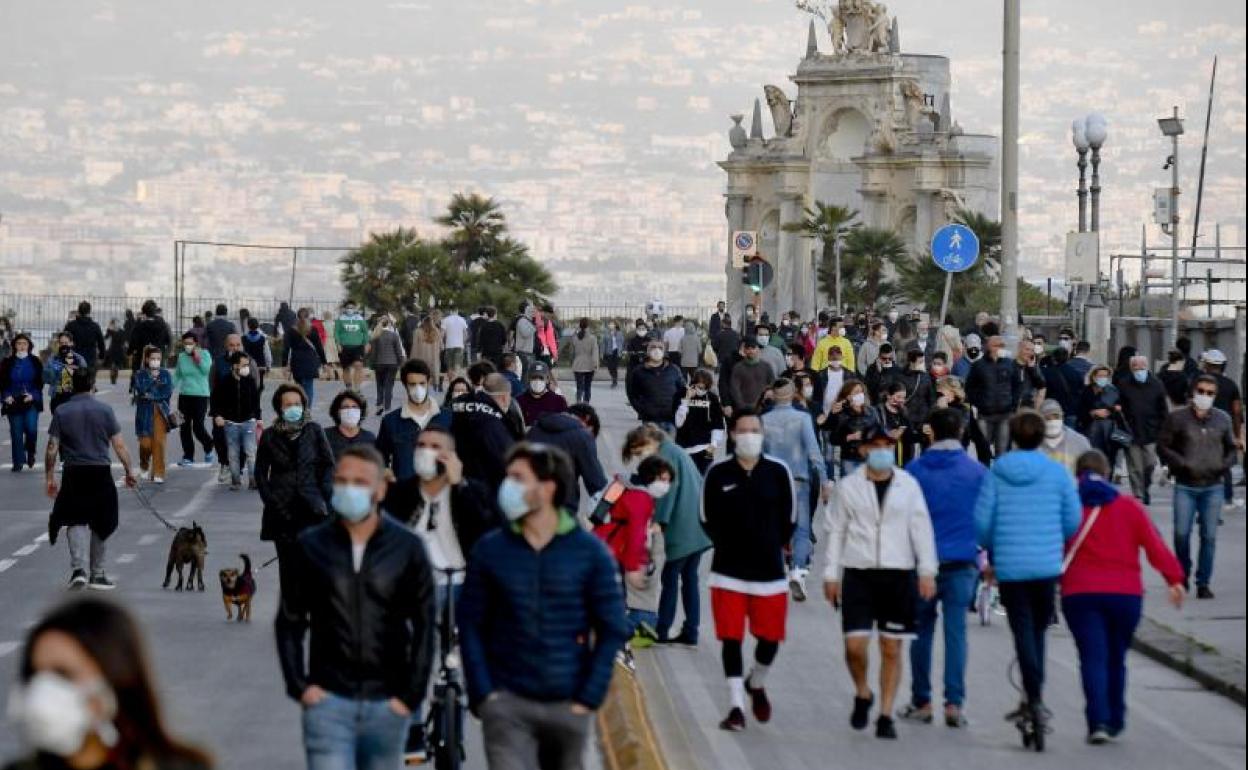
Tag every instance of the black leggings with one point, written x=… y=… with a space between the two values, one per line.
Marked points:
x=194 y=409
x=730 y=655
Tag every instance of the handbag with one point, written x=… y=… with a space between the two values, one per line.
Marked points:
x=709 y=358
x=1079 y=538
x=173 y=419
x=1121 y=436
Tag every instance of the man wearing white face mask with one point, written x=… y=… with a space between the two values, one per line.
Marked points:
x=1144 y=408
x=1197 y=445
x=539 y=643
x=653 y=390
x=235 y=408
x=1061 y=444
x=365 y=593
x=749 y=513
x=396 y=440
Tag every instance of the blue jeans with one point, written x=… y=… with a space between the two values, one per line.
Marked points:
x=1192 y=504
x=680 y=577
x=24 y=433
x=637 y=617
x=1103 y=625
x=345 y=734
x=584 y=384
x=954 y=589
x=309 y=387
x=801 y=535
x=240 y=439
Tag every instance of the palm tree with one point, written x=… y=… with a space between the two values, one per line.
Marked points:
x=826 y=223
x=988 y=231
x=395 y=268
x=865 y=258
x=476 y=223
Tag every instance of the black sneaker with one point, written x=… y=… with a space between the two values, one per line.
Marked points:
x=862 y=712
x=101 y=582
x=734 y=722
x=682 y=640
x=759 y=703
x=1203 y=592
x=913 y=713
x=417 y=750
x=885 y=729
x=77 y=580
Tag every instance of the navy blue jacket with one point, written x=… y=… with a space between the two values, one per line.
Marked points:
x=569 y=434
x=483 y=435
x=653 y=392
x=545 y=625
x=396 y=440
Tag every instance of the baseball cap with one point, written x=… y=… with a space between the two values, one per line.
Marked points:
x=538 y=368
x=1213 y=356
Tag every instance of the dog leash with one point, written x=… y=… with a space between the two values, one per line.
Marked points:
x=267 y=563
x=147 y=505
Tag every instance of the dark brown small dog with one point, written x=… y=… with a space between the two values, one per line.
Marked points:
x=189 y=547
x=237 y=588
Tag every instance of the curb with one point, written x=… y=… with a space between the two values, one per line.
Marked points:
x=1190 y=657
x=624 y=726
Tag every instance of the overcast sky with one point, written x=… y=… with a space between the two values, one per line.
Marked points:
x=512 y=95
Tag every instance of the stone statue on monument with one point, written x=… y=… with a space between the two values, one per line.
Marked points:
x=856 y=26
x=781 y=112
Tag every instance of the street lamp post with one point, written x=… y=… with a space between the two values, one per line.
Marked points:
x=1096 y=132
x=1080 y=140
x=1173 y=128
x=1090 y=133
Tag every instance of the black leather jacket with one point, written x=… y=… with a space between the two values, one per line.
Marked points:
x=295 y=479
x=372 y=630
x=1197 y=450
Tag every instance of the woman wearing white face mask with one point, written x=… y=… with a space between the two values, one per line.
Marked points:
x=700 y=420
x=851 y=417
x=21 y=399
x=86 y=699
x=152 y=388
x=637 y=547
x=346 y=411
x=540 y=398
x=1099 y=412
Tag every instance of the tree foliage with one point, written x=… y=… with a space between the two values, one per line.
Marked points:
x=865 y=258
x=476 y=264
x=826 y=223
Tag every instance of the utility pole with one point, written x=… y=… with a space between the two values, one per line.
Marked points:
x=1173 y=127
x=1009 y=167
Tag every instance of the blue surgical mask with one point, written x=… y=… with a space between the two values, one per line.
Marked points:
x=351 y=502
x=1140 y=375
x=1101 y=382
x=880 y=458
x=292 y=413
x=511 y=502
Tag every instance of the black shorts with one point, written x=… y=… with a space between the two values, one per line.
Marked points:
x=348 y=356
x=883 y=599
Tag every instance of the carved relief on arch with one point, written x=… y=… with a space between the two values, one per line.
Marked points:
x=845 y=134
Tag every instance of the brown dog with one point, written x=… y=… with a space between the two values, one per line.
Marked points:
x=237 y=588
x=189 y=547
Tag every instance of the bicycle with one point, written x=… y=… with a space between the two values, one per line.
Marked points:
x=444 y=726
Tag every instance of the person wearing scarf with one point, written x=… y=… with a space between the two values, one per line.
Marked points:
x=1103 y=590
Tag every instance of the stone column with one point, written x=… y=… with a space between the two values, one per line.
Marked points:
x=922 y=220
x=793 y=265
x=735 y=292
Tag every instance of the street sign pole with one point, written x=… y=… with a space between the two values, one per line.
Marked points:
x=944 y=302
x=955 y=248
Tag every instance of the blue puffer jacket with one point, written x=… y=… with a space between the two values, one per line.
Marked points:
x=951 y=481
x=545 y=625
x=1028 y=508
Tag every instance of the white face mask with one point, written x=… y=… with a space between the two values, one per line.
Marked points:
x=658 y=488
x=1202 y=402
x=763 y=339
x=749 y=445
x=699 y=392
x=244 y=371
x=189 y=349
x=21 y=354
x=835 y=364
x=426 y=463
x=349 y=417
x=857 y=399
x=153 y=364
x=808 y=391
x=1038 y=348
x=418 y=393
x=1054 y=428
x=538 y=386
x=54 y=715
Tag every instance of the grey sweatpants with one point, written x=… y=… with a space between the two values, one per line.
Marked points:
x=518 y=731
x=81 y=540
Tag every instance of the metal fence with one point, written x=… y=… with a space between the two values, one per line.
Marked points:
x=569 y=313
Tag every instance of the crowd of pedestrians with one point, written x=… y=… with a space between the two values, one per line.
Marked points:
x=923 y=458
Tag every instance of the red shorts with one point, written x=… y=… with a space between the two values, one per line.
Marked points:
x=767 y=615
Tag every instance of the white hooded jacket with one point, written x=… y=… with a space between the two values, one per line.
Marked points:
x=862 y=536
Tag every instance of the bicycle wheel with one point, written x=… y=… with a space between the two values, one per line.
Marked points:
x=448 y=747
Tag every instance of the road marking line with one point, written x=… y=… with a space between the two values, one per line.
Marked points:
x=26 y=550
x=6 y=563
x=148 y=539
x=42 y=538
x=7 y=648
x=126 y=558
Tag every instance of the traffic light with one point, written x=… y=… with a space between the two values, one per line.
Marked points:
x=752 y=275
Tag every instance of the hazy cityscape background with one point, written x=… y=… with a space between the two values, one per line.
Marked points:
x=125 y=124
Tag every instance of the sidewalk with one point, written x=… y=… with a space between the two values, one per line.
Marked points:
x=1206 y=639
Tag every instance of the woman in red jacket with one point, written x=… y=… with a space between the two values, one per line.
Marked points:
x=1103 y=590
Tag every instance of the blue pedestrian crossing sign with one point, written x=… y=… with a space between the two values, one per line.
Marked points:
x=955 y=248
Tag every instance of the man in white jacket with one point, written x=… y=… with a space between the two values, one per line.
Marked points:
x=879 y=535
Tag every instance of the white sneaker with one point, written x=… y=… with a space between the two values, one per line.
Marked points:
x=223 y=474
x=797 y=585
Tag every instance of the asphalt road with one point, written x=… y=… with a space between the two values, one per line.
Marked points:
x=222 y=688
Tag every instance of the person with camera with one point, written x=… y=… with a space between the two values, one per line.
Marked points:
x=58 y=375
